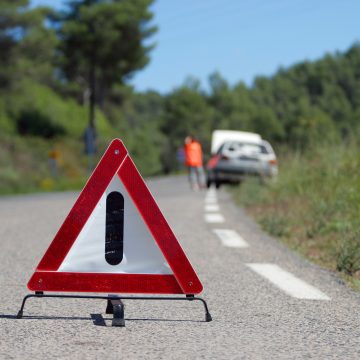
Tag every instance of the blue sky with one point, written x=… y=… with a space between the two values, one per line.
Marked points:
x=241 y=38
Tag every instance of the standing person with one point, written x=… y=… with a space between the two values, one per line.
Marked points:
x=194 y=162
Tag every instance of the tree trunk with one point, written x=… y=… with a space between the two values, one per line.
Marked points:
x=92 y=102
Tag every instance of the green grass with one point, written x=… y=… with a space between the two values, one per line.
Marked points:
x=61 y=111
x=35 y=120
x=313 y=206
x=24 y=165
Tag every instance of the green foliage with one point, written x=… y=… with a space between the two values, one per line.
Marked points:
x=266 y=123
x=54 y=64
x=186 y=112
x=107 y=35
x=27 y=44
x=255 y=192
x=137 y=123
x=61 y=112
x=7 y=124
x=145 y=148
x=314 y=127
x=102 y=44
x=25 y=167
x=11 y=19
x=348 y=260
x=314 y=204
x=33 y=122
x=275 y=226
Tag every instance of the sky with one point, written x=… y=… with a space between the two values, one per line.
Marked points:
x=241 y=39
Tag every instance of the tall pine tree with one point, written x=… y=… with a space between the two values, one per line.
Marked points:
x=102 y=43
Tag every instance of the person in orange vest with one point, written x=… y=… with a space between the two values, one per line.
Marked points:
x=194 y=162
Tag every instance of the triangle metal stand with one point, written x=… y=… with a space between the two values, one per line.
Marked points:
x=115 y=306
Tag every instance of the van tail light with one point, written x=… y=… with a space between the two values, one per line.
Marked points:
x=273 y=162
x=213 y=161
x=224 y=157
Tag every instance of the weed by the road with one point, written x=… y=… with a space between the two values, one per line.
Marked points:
x=275 y=226
x=313 y=206
x=25 y=166
x=348 y=259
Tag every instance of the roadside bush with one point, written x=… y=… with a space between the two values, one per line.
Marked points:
x=314 y=205
x=275 y=226
x=251 y=191
x=6 y=123
x=348 y=257
x=60 y=112
x=33 y=122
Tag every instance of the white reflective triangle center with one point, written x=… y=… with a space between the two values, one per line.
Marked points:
x=141 y=254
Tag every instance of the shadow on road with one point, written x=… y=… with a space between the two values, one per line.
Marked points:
x=97 y=319
x=41 y=317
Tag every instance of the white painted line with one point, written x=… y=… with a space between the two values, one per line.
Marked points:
x=211 y=207
x=211 y=194
x=214 y=218
x=230 y=238
x=211 y=191
x=287 y=282
x=207 y=197
x=210 y=200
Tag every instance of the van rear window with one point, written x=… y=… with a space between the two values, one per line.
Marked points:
x=240 y=147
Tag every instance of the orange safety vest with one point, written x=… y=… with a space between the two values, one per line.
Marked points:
x=193 y=154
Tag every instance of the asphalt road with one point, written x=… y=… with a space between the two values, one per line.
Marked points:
x=258 y=310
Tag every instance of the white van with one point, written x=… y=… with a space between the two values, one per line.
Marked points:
x=237 y=154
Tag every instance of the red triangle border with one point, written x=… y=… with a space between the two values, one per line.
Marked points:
x=116 y=160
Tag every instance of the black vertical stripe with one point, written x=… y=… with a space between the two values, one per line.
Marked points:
x=114 y=234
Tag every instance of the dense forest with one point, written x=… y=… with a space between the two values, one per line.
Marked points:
x=63 y=72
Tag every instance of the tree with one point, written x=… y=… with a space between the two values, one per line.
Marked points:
x=27 y=45
x=37 y=48
x=10 y=22
x=102 y=44
x=186 y=113
x=221 y=98
x=266 y=124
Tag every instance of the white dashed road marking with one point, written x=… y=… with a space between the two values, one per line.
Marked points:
x=210 y=200
x=231 y=238
x=211 y=195
x=211 y=191
x=287 y=282
x=211 y=207
x=214 y=218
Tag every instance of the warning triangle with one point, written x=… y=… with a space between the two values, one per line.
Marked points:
x=115 y=239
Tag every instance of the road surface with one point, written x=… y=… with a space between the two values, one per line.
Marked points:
x=266 y=302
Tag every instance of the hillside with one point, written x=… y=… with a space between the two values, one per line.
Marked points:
x=297 y=108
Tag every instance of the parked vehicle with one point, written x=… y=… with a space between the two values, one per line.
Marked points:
x=237 y=154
